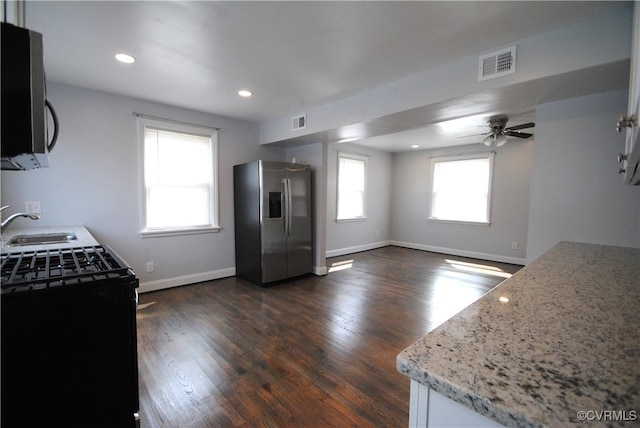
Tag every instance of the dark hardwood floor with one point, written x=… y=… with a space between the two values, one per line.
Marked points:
x=313 y=352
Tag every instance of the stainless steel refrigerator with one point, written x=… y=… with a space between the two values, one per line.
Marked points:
x=272 y=210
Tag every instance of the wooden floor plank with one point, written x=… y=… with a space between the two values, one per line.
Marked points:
x=315 y=351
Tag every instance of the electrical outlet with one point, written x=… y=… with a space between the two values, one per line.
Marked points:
x=514 y=245
x=33 y=207
x=150 y=267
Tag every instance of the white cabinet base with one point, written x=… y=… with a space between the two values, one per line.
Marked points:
x=429 y=408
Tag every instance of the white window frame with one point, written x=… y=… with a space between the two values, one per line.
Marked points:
x=178 y=127
x=356 y=157
x=435 y=160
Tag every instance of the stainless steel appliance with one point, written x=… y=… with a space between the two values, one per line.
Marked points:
x=272 y=202
x=69 y=345
x=25 y=139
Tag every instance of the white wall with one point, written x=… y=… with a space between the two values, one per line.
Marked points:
x=372 y=232
x=93 y=181
x=576 y=192
x=509 y=205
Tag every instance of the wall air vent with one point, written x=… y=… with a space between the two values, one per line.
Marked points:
x=496 y=64
x=299 y=122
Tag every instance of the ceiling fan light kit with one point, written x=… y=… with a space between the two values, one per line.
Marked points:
x=498 y=132
x=495 y=140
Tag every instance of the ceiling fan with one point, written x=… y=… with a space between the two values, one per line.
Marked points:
x=498 y=132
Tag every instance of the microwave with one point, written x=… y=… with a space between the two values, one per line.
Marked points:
x=25 y=132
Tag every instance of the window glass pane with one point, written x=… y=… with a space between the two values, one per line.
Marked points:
x=175 y=206
x=461 y=190
x=177 y=158
x=350 y=204
x=351 y=174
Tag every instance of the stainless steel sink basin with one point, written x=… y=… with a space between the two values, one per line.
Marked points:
x=41 y=239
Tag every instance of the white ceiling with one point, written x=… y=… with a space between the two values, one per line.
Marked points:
x=292 y=55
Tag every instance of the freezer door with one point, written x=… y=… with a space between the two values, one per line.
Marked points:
x=272 y=221
x=298 y=186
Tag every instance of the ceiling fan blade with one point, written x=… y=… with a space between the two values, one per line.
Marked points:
x=517 y=134
x=473 y=135
x=522 y=126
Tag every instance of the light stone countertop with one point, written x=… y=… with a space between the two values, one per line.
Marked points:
x=568 y=340
x=85 y=239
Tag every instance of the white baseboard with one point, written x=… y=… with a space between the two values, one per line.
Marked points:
x=358 y=248
x=463 y=253
x=176 y=281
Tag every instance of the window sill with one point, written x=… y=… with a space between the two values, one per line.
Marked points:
x=471 y=223
x=152 y=233
x=346 y=220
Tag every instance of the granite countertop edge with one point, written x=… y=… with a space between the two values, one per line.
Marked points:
x=462 y=395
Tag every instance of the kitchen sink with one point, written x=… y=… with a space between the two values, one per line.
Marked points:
x=41 y=239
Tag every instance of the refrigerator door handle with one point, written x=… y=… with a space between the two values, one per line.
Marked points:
x=287 y=206
x=285 y=203
x=290 y=210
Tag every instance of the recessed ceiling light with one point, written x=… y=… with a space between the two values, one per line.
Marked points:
x=245 y=93
x=127 y=59
x=414 y=146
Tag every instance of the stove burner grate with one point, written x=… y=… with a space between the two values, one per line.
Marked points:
x=34 y=270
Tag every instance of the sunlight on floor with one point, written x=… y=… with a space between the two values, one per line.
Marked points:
x=145 y=305
x=478 y=268
x=141 y=313
x=345 y=264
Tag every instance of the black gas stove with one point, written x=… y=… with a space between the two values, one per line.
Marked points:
x=52 y=269
x=68 y=355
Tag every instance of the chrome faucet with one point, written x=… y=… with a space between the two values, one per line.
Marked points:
x=8 y=221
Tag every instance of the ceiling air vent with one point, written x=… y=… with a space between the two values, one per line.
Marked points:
x=299 y=122
x=496 y=64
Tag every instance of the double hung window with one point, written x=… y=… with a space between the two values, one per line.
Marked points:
x=352 y=170
x=461 y=188
x=178 y=176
